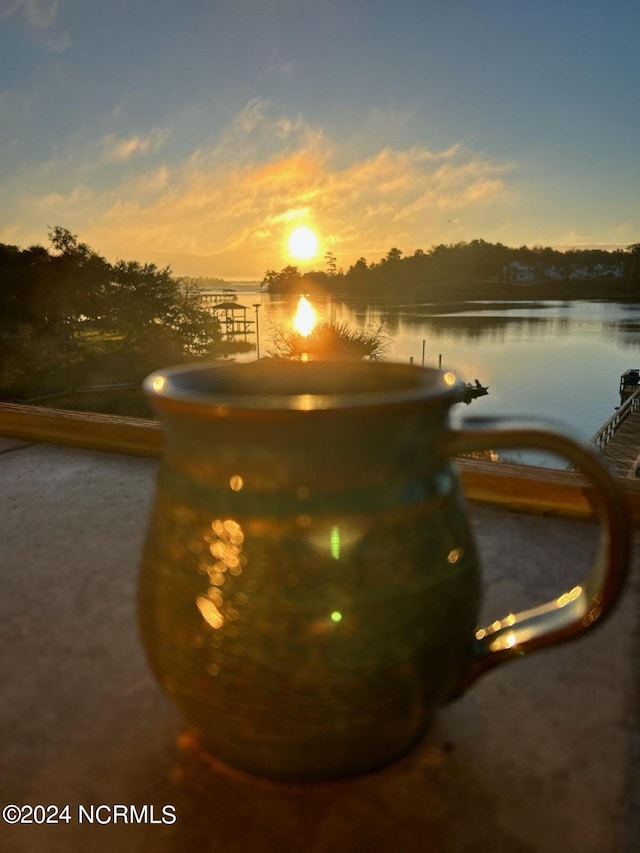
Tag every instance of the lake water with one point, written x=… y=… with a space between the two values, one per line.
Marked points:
x=560 y=360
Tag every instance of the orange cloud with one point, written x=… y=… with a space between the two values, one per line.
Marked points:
x=228 y=207
x=115 y=149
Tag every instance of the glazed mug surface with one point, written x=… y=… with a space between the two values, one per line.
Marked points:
x=309 y=590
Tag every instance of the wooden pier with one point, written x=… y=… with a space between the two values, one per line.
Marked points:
x=233 y=319
x=619 y=438
x=211 y=297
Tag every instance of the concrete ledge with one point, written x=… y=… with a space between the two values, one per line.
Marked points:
x=541 y=755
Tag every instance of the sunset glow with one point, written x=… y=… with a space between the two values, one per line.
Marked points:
x=225 y=168
x=303 y=243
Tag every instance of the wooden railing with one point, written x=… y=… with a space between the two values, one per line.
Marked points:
x=607 y=430
x=512 y=487
x=82 y=389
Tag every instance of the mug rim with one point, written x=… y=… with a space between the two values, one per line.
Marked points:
x=219 y=386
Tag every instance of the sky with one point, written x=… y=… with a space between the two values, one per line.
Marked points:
x=198 y=133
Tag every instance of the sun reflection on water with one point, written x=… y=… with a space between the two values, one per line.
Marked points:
x=304 y=319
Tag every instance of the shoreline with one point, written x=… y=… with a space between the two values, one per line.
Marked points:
x=476 y=290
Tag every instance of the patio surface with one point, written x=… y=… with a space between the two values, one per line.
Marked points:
x=540 y=755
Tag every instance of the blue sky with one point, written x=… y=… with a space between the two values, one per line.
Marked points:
x=198 y=134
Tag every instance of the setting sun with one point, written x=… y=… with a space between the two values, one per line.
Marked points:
x=303 y=243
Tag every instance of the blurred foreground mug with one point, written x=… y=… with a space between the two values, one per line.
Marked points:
x=309 y=592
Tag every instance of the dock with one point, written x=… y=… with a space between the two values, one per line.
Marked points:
x=472 y=391
x=619 y=438
x=233 y=319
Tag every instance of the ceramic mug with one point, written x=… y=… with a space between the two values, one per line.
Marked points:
x=309 y=591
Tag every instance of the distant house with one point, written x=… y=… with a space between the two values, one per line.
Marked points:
x=596 y=271
x=520 y=273
x=608 y=271
x=554 y=273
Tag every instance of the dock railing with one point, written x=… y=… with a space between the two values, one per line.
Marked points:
x=607 y=430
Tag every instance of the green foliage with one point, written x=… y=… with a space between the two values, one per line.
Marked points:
x=286 y=281
x=330 y=341
x=69 y=318
x=447 y=271
x=332 y=267
x=632 y=263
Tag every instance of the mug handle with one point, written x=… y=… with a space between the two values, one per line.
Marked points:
x=581 y=607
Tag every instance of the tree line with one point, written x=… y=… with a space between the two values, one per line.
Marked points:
x=443 y=269
x=69 y=318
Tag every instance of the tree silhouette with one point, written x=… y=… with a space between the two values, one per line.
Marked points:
x=332 y=267
x=68 y=317
x=285 y=281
